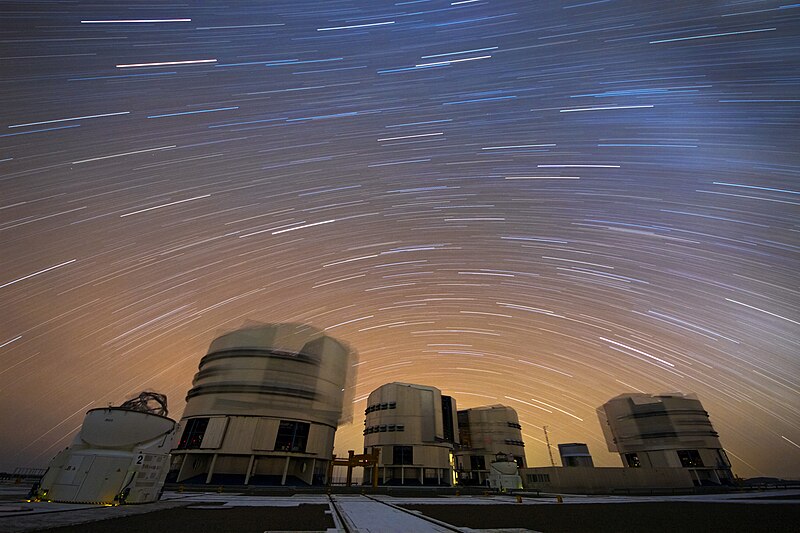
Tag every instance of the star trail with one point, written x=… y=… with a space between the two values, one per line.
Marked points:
x=540 y=204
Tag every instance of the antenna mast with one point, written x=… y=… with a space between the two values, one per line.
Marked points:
x=549 y=448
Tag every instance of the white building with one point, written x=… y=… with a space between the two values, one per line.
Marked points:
x=415 y=429
x=264 y=408
x=665 y=431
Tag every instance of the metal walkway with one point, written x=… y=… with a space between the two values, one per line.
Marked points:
x=362 y=514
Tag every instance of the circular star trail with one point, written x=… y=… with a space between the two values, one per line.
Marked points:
x=539 y=204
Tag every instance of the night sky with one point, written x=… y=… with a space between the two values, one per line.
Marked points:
x=540 y=204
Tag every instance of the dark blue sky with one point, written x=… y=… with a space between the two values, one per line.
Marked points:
x=540 y=204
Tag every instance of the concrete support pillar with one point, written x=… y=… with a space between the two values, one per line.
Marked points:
x=349 y=481
x=211 y=469
x=249 y=469
x=329 y=472
x=285 y=470
x=183 y=465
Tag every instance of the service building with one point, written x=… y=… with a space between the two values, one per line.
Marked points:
x=415 y=428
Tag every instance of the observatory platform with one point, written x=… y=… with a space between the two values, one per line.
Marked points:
x=211 y=512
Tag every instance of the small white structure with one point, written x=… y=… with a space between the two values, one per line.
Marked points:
x=504 y=474
x=119 y=456
x=575 y=454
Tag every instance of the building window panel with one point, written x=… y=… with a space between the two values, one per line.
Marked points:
x=632 y=460
x=477 y=462
x=193 y=434
x=292 y=436
x=403 y=455
x=448 y=429
x=690 y=458
x=539 y=478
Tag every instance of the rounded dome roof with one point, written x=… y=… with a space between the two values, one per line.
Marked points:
x=292 y=337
